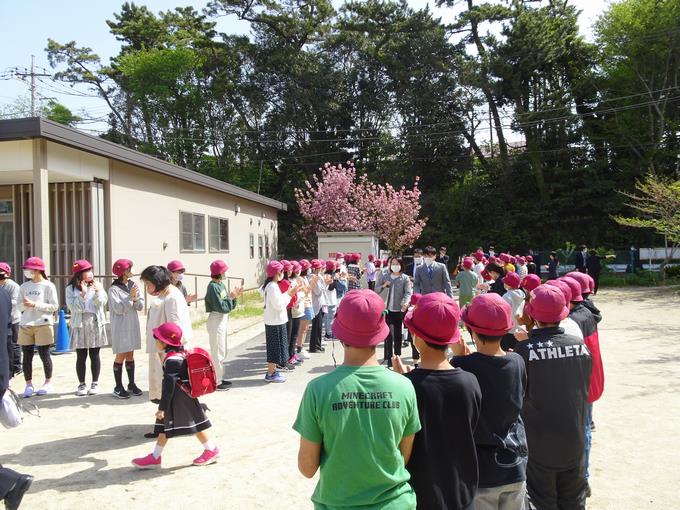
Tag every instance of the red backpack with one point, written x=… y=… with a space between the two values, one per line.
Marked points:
x=202 y=376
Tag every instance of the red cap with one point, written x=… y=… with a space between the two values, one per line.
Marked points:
x=529 y=258
x=564 y=287
x=371 y=257
x=80 y=265
x=287 y=265
x=547 y=304
x=273 y=268
x=169 y=333
x=435 y=319
x=531 y=281
x=120 y=266
x=521 y=260
x=575 y=289
x=488 y=314
x=415 y=297
x=339 y=255
x=513 y=260
x=583 y=279
x=4 y=267
x=478 y=255
x=330 y=265
x=218 y=267
x=505 y=257
x=296 y=266
x=360 y=321
x=34 y=263
x=468 y=263
x=305 y=264
x=175 y=266
x=512 y=280
x=378 y=263
x=317 y=264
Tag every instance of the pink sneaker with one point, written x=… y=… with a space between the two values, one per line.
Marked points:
x=148 y=462
x=207 y=457
x=293 y=360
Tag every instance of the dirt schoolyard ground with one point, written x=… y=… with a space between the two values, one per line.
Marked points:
x=79 y=449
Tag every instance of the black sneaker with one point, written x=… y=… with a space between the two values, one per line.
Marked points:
x=119 y=392
x=224 y=385
x=132 y=388
x=288 y=367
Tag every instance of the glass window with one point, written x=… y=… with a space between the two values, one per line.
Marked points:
x=218 y=234
x=252 y=246
x=260 y=246
x=266 y=245
x=192 y=231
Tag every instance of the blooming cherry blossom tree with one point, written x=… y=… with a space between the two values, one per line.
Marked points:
x=340 y=201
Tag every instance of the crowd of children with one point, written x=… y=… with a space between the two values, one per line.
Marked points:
x=505 y=424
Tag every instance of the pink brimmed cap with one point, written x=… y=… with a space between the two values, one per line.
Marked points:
x=435 y=319
x=360 y=319
x=468 y=263
x=564 y=287
x=5 y=268
x=531 y=281
x=175 y=266
x=583 y=279
x=488 y=314
x=273 y=268
x=120 y=266
x=169 y=333
x=513 y=280
x=547 y=304
x=34 y=263
x=218 y=267
x=575 y=287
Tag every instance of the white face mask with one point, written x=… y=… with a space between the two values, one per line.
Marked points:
x=395 y=268
x=28 y=274
x=418 y=260
x=179 y=277
x=429 y=261
x=88 y=277
x=341 y=261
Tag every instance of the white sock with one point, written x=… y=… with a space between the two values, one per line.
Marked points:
x=209 y=445
x=157 y=450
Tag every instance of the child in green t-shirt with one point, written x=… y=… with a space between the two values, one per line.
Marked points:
x=467 y=280
x=358 y=422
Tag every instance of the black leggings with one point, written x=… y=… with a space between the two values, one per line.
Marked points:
x=394 y=321
x=44 y=353
x=95 y=364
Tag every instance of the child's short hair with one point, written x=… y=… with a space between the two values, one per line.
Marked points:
x=486 y=338
x=158 y=276
x=436 y=347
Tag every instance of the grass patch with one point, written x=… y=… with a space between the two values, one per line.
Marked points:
x=251 y=304
x=638 y=279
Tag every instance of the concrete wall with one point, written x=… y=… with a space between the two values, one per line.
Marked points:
x=145 y=214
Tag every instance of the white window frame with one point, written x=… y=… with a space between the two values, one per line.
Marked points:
x=260 y=246
x=193 y=232
x=211 y=235
x=252 y=245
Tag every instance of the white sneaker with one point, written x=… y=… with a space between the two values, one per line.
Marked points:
x=94 y=389
x=45 y=389
x=81 y=391
x=28 y=392
x=304 y=354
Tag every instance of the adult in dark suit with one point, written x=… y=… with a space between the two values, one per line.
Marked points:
x=432 y=276
x=581 y=258
x=417 y=261
x=443 y=258
x=13 y=485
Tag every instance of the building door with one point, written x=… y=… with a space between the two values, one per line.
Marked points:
x=7 y=232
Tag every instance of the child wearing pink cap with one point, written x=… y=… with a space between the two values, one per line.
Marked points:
x=515 y=297
x=218 y=303
x=12 y=288
x=178 y=413
x=499 y=438
x=360 y=418
x=466 y=280
x=275 y=321
x=555 y=405
x=443 y=466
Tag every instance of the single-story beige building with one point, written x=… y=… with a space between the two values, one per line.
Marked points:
x=66 y=195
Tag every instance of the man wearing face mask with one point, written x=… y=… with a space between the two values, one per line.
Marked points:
x=417 y=261
x=432 y=276
x=177 y=271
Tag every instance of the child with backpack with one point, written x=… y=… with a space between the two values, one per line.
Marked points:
x=500 y=438
x=178 y=412
x=218 y=304
x=443 y=465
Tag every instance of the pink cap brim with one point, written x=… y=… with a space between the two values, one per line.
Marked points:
x=408 y=322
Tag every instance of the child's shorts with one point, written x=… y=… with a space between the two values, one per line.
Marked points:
x=308 y=315
x=36 y=335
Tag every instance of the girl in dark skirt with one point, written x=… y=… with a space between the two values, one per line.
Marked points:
x=178 y=413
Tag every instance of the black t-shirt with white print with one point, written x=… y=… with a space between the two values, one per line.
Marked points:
x=554 y=411
x=500 y=438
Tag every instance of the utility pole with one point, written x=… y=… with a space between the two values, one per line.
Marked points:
x=33 y=76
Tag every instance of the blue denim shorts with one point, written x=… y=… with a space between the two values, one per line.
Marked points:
x=309 y=314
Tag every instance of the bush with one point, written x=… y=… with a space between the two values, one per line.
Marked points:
x=672 y=271
x=641 y=278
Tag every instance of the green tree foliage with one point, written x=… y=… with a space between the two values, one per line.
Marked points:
x=404 y=95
